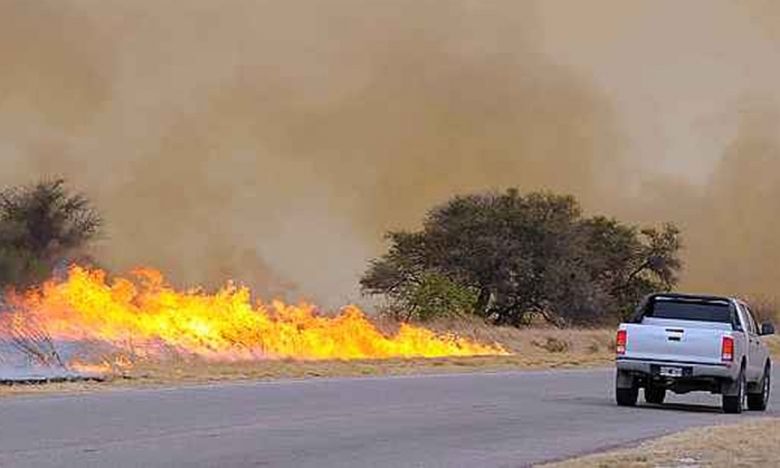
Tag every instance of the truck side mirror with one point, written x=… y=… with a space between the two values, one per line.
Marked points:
x=767 y=329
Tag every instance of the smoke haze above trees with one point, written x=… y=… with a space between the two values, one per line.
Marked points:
x=276 y=142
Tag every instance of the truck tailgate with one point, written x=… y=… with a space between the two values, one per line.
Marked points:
x=675 y=341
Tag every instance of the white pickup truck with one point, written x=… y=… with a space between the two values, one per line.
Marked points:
x=684 y=343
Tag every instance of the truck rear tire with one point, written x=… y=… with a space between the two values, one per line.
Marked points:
x=759 y=401
x=655 y=394
x=626 y=389
x=627 y=396
x=735 y=404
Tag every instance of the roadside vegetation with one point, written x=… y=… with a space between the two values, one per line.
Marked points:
x=43 y=227
x=512 y=259
x=528 y=272
x=546 y=348
x=504 y=258
x=753 y=443
x=533 y=349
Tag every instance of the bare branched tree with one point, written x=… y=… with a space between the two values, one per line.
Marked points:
x=41 y=226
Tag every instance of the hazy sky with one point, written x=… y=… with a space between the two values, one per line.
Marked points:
x=274 y=142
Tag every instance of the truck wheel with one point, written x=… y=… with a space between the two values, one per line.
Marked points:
x=626 y=389
x=759 y=401
x=735 y=404
x=655 y=394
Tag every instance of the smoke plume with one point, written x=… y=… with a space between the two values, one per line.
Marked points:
x=274 y=142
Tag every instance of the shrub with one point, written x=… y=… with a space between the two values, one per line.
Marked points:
x=42 y=226
x=518 y=256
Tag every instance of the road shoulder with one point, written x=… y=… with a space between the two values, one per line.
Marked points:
x=187 y=373
x=755 y=442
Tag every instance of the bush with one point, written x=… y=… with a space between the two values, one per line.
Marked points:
x=518 y=256
x=430 y=296
x=765 y=309
x=41 y=227
x=553 y=345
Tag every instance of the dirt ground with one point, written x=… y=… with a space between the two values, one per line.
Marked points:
x=750 y=444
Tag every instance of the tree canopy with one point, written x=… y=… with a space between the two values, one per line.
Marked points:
x=514 y=256
x=41 y=226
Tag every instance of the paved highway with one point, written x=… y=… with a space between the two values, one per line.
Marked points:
x=506 y=419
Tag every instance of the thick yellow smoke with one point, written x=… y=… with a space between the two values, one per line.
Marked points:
x=275 y=141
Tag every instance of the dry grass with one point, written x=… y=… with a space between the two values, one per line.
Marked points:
x=765 y=309
x=753 y=443
x=531 y=348
x=773 y=342
x=580 y=344
x=193 y=371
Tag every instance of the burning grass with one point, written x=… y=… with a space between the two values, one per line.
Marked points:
x=528 y=348
x=143 y=331
x=587 y=348
x=531 y=348
x=140 y=331
x=142 y=316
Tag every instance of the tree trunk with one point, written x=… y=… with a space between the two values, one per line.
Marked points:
x=483 y=300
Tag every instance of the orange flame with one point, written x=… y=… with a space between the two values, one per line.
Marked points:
x=144 y=316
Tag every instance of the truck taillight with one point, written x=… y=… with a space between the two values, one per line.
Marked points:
x=727 y=349
x=621 y=341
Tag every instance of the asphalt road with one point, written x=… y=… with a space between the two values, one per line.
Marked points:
x=505 y=419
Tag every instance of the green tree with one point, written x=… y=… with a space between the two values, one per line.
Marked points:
x=42 y=226
x=429 y=296
x=521 y=256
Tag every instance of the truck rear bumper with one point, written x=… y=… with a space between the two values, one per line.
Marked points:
x=693 y=370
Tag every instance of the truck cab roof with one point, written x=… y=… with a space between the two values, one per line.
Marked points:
x=691 y=307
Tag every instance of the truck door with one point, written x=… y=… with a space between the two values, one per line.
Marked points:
x=758 y=353
x=752 y=343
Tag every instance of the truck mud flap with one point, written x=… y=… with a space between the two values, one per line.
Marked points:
x=625 y=380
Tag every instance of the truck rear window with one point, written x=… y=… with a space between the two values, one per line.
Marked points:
x=700 y=311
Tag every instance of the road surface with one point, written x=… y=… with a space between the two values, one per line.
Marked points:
x=505 y=419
